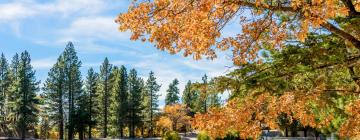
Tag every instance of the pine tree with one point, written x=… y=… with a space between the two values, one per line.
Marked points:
x=45 y=127
x=189 y=96
x=120 y=105
x=28 y=102
x=172 y=96
x=14 y=93
x=92 y=104
x=104 y=87
x=73 y=83
x=151 y=99
x=214 y=100
x=202 y=105
x=141 y=122
x=45 y=124
x=54 y=92
x=134 y=101
x=4 y=87
x=81 y=119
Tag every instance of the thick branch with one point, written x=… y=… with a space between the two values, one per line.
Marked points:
x=351 y=7
x=326 y=25
x=341 y=34
x=354 y=76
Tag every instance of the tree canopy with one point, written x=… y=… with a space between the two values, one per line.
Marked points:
x=194 y=27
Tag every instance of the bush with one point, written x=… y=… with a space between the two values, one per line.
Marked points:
x=231 y=136
x=171 y=135
x=203 y=136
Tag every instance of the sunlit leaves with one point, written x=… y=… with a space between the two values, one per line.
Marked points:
x=194 y=27
x=174 y=117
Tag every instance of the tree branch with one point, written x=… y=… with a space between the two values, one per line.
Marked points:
x=342 y=34
x=351 y=7
x=326 y=25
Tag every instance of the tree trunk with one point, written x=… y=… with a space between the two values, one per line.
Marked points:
x=89 y=132
x=61 y=129
x=23 y=131
x=81 y=135
x=316 y=134
x=106 y=108
x=121 y=131
x=174 y=126
x=71 y=103
x=90 y=117
x=142 y=131
x=61 y=123
x=151 y=115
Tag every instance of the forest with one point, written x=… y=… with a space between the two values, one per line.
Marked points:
x=295 y=71
x=112 y=103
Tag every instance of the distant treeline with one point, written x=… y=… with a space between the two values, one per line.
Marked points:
x=112 y=103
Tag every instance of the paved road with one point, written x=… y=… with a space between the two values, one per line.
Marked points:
x=188 y=136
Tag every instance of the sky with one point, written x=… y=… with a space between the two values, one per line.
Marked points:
x=43 y=28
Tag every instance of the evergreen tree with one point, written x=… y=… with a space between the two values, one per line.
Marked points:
x=45 y=127
x=4 y=87
x=151 y=100
x=202 y=102
x=14 y=93
x=172 y=96
x=214 y=100
x=54 y=89
x=81 y=115
x=135 y=106
x=92 y=98
x=73 y=84
x=28 y=102
x=120 y=106
x=45 y=124
x=189 y=96
x=104 y=87
x=143 y=97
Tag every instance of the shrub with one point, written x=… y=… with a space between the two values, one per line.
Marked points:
x=231 y=136
x=171 y=135
x=203 y=136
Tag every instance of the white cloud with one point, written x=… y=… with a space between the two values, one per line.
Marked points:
x=69 y=7
x=45 y=63
x=21 y=9
x=14 y=11
x=94 y=28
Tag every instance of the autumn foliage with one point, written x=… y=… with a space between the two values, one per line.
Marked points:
x=174 y=117
x=251 y=115
x=294 y=85
x=194 y=27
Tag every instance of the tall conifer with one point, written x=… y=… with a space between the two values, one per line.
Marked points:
x=104 y=87
x=4 y=87
x=73 y=84
x=172 y=96
x=28 y=101
x=54 y=92
x=135 y=106
x=151 y=100
x=92 y=100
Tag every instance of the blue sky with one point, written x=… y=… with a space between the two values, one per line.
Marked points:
x=43 y=27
